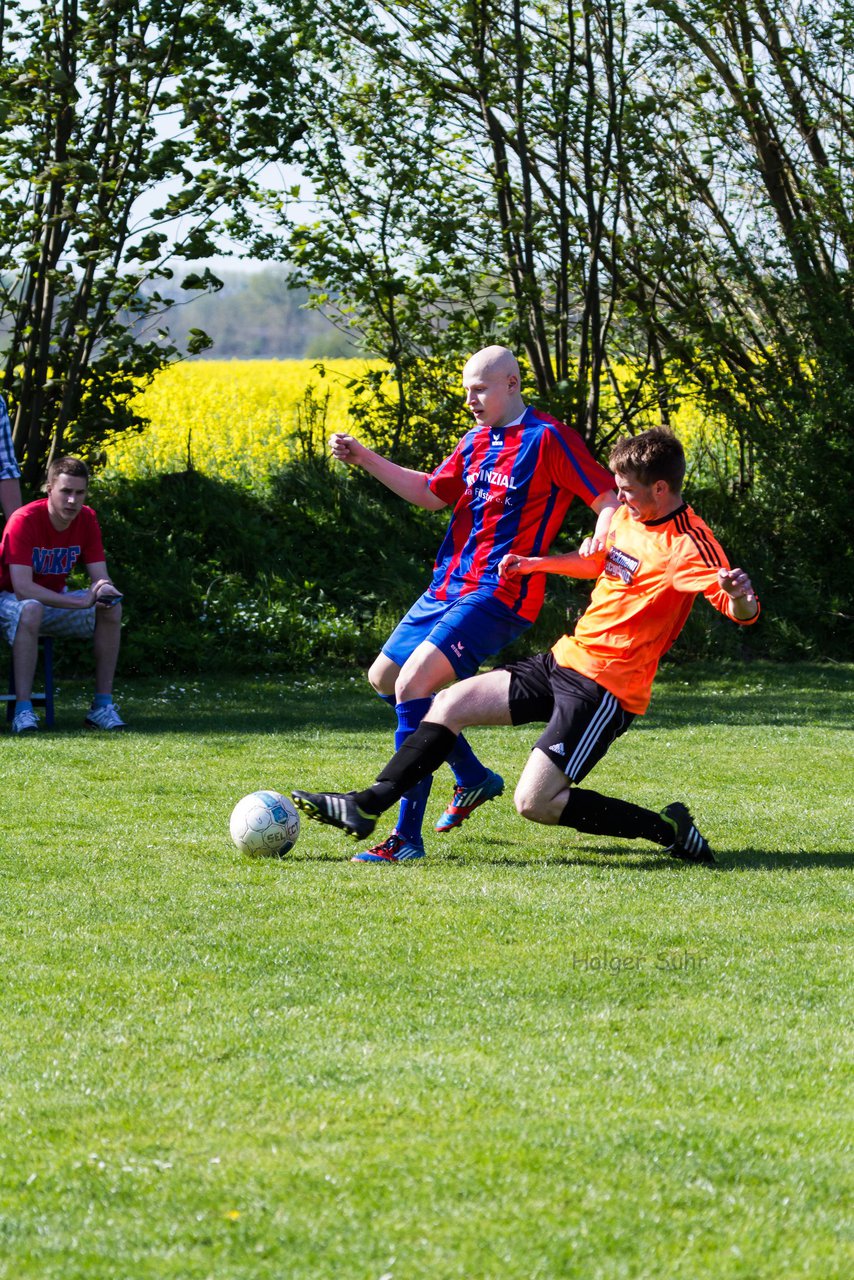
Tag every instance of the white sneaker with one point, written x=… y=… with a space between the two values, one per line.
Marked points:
x=104 y=718
x=25 y=721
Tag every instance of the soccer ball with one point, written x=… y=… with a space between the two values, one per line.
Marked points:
x=264 y=822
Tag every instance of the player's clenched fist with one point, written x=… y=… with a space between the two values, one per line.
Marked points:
x=739 y=588
x=345 y=448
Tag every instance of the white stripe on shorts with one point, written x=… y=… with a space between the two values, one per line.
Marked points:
x=608 y=708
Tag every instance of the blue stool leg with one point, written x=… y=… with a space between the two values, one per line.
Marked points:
x=47 y=641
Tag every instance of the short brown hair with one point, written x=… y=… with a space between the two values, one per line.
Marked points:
x=67 y=467
x=652 y=455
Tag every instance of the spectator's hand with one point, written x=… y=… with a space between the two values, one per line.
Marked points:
x=105 y=594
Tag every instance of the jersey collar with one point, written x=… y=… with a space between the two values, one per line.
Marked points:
x=517 y=422
x=652 y=524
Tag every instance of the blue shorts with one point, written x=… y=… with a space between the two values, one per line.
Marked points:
x=466 y=630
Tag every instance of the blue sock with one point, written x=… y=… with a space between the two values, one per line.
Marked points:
x=467 y=769
x=387 y=697
x=101 y=700
x=24 y=705
x=410 y=816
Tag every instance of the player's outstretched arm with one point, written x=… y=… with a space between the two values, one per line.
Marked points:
x=572 y=564
x=737 y=585
x=411 y=485
x=604 y=506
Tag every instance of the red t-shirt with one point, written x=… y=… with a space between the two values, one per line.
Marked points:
x=30 y=539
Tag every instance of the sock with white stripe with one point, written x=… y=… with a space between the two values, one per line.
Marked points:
x=604 y=816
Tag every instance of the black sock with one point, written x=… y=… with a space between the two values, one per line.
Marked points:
x=603 y=816
x=421 y=754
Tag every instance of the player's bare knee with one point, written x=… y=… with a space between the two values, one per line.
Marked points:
x=412 y=685
x=443 y=707
x=530 y=804
x=381 y=676
x=31 y=617
x=523 y=799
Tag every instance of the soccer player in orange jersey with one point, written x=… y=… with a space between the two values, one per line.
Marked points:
x=659 y=556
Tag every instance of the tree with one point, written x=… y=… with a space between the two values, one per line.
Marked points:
x=652 y=201
x=132 y=136
x=470 y=179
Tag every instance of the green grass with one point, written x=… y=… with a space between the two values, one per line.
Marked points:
x=534 y=1055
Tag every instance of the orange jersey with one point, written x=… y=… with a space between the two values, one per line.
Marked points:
x=642 y=598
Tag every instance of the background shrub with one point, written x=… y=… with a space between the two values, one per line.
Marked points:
x=315 y=567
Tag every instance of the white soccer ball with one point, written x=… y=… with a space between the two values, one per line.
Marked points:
x=264 y=823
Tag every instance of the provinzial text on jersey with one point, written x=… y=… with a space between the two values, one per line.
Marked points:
x=490 y=477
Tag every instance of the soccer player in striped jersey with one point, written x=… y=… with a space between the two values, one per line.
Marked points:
x=509 y=483
x=659 y=556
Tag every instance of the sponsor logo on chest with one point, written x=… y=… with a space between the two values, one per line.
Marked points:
x=490 y=478
x=619 y=564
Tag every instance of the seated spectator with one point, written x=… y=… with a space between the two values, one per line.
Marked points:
x=41 y=544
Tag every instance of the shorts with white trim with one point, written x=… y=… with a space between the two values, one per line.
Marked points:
x=76 y=623
x=467 y=630
x=583 y=717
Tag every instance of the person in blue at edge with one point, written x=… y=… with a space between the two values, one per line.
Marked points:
x=10 y=472
x=509 y=482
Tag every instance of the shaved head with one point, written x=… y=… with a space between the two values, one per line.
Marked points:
x=493 y=386
x=494 y=362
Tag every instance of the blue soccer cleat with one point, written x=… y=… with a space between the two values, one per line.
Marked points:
x=467 y=799
x=396 y=848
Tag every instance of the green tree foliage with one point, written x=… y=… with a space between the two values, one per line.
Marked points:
x=648 y=200
x=131 y=136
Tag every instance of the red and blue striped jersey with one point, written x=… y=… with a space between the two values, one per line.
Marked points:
x=510 y=488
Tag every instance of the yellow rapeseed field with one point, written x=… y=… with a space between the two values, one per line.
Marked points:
x=236 y=419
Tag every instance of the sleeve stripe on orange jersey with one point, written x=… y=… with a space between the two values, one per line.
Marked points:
x=701 y=540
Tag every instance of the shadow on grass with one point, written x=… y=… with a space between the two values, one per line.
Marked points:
x=794 y=695
x=742 y=860
x=760 y=859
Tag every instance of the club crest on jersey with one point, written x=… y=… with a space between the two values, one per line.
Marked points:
x=619 y=564
x=497 y=438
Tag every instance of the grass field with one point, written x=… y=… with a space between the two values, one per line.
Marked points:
x=533 y=1055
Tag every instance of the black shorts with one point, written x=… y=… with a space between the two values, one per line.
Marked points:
x=583 y=718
